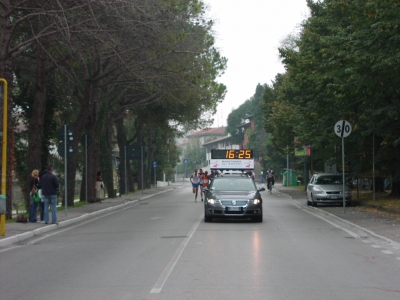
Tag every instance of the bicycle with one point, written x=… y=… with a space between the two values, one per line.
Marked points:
x=270 y=186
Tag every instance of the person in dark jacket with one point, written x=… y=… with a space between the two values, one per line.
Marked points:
x=49 y=185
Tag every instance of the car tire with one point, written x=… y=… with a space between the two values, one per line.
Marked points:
x=308 y=203
x=207 y=219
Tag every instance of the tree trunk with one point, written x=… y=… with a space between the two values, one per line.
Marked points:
x=36 y=122
x=395 y=189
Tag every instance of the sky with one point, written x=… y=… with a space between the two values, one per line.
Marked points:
x=248 y=33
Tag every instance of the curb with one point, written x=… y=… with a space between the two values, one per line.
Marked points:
x=26 y=235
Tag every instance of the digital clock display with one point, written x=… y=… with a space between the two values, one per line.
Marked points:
x=232 y=154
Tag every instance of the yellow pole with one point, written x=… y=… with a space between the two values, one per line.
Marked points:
x=4 y=156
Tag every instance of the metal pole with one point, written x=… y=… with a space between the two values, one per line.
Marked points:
x=287 y=165
x=343 y=178
x=86 y=165
x=373 y=164
x=65 y=167
x=141 y=149
x=126 y=180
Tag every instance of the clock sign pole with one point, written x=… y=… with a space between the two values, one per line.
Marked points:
x=343 y=129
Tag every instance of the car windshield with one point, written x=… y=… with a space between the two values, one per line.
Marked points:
x=333 y=179
x=233 y=184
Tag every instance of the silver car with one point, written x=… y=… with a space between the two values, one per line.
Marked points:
x=327 y=188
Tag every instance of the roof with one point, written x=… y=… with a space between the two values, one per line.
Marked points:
x=228 y=137
x=209 y=131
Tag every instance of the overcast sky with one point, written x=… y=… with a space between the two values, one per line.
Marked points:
x=248 y=33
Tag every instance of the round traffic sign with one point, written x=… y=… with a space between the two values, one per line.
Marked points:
x=342 y=128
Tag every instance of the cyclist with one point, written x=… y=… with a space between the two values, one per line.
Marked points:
x=270 y=176
x=195 y=180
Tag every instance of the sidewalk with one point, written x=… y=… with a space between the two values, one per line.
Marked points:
x=17 y=232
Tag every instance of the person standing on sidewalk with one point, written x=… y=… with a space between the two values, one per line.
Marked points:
x=99 y=187
x=50 y=184
x=33 y=205
x=262 y=176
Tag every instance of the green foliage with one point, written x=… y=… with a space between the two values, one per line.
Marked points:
x=195 y=154
x=344 y=65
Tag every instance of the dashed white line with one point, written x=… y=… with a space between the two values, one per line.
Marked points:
x=387 y=252
x=376 y=246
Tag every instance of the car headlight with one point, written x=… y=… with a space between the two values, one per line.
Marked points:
x=212 y=201
x=318 y=190
x=256 y=201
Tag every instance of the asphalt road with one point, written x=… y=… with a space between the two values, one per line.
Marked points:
x=160 y=248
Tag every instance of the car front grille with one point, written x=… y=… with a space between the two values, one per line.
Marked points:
x=333 y=193
x=238 y=202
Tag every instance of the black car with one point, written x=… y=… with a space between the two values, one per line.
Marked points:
x=233 y=196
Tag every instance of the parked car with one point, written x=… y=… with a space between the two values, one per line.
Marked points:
x=327 y=188
x=233 y=196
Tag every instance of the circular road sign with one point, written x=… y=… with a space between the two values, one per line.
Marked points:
x=342 y=128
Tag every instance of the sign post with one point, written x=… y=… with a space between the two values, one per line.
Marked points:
x=155 y=175
x=343 y=129
x=185 y=161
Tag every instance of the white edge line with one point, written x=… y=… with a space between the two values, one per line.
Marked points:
x=392 y=243
x=26 y=235
x=173 y=261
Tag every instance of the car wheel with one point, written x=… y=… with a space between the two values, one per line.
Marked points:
x=207 y=219
x=308 y=203
x=313 y=203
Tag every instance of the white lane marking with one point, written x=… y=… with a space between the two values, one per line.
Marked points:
x=175 y=258
x=387 y=252
x=398 y=258
x=116 y=208
x=387 y=241
x=356 y=236
x=376 y=246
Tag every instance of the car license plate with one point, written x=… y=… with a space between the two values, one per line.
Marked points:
x=234 y=208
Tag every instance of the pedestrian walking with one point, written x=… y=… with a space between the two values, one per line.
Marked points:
x=33 y=187
x=49 y=184
x=99 y=187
